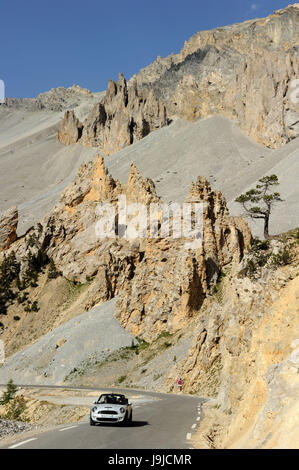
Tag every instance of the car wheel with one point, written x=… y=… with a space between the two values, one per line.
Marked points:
x=131 y=417
x=91 y=422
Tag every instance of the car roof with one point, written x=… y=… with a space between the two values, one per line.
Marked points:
x=112 y=395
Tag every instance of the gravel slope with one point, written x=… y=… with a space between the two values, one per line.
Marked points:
x=215 y=148
x=96 y=333
x=34 y=166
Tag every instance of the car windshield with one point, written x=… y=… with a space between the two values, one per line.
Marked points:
x=112 y=399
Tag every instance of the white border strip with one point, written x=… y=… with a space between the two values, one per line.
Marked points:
x=22 y=443
x=66 y=429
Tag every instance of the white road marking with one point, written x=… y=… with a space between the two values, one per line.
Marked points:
x=193 y=426
x=66 y=429
x=198 y=419
x=188 y=437
x=22 y=443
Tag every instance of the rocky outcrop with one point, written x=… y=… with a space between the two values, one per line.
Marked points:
x=244 y=71
x=171 y=282
x=8 y=227
x=124 y=116
x=161 y=281
x=70 y=130
x=139 y=189
x=56 y=100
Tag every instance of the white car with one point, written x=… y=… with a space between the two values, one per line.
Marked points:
x=111 y=408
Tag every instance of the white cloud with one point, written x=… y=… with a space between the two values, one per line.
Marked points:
x=254 y=6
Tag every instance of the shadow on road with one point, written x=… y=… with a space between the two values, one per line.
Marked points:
x=136 y=424
x=133 y=424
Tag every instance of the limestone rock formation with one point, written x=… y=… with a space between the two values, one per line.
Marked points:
x=244 y=71
x=8 y=227
x=124 y=116
x=161 y=283
x=139 y=189
x=70 y=130
x=244 y=355
x=171 y=282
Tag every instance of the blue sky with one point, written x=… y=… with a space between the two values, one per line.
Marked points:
x=50 y=43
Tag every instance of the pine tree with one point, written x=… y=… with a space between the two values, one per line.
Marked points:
x=258 y=203
x=9 y=394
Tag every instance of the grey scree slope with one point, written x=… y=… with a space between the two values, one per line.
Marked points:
x=91 y=333
x=34 y=166
x=215 y=148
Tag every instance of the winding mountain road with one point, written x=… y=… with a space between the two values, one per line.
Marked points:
x=160 y=421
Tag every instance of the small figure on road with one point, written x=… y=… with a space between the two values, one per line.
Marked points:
x=180 y=384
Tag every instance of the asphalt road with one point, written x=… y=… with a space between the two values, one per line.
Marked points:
x=161 y=421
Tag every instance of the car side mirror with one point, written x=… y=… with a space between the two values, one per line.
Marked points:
x=95 y=402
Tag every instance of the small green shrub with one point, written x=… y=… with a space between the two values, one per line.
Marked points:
x=53 y=273
x=282 y=258
x=9 y=394
x=157 y=376
x=34 y=306
x=15 y=409
x=164 y=334
x=122 y=378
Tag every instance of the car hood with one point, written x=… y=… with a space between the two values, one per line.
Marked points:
x=108 y=407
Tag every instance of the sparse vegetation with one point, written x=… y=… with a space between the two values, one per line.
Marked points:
x=14 y=405
x=18 y=275
x=11 y=284
x=9 y=272
x=121 y=379
x=9 y=394
x=53 y=272
x=259 y=202
x=264 y=253
x=282 y=258
x=218 y=287
x=164 y=334
x=157 y=377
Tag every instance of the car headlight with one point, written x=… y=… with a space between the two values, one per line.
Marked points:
x=122 y=410
x=94 y=409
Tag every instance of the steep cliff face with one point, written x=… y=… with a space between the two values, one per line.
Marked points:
x=124 y=116
x=243 y=71
x=244 y=354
